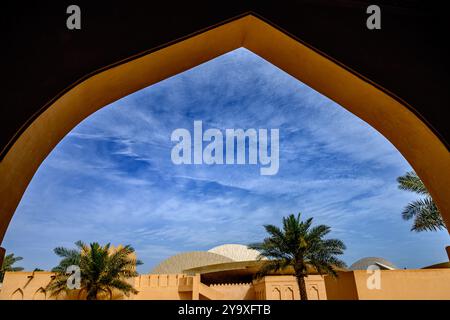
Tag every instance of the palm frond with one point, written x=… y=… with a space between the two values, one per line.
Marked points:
x=426 y=215
x=8 y=265
x=300 y=245
x=271 y=266
x=411 y=182
x=424 y=211
x=103 y=269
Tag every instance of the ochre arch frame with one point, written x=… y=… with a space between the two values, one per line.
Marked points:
x=389 y=115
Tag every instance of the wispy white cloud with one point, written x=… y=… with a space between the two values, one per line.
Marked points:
x=111 y=179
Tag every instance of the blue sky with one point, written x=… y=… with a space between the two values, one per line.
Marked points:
x=111 y=179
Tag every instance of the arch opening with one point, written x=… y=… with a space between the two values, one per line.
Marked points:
x=389 y=115
x=40 y=294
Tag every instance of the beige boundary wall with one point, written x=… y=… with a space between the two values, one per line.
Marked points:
x=236 y=291
x=31 y=286
x=421 y=284
x=352 y=285
x=286 y=288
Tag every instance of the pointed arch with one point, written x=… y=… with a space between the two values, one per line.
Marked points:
x=289 y=294
x=313 y=293
x=276 y=294
x=40 y=294
x=17 y=294
x=388 y=114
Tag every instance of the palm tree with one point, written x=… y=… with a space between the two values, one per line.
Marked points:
x=424 y=211
x=301 y=247
x=103 y=269
x=8 y=263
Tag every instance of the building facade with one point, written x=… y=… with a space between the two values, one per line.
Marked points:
x=228 y=272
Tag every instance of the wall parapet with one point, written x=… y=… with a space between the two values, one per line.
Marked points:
x=224 y=285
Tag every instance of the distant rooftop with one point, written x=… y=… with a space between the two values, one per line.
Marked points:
x=364 y=263
x=236 y=252
x=198 y=259
x=187 y=260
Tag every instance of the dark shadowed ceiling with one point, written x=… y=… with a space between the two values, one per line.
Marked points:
x=41 y=57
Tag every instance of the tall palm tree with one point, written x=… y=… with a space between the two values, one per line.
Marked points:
x=302 y=247
x=8 y=263
x=424 y=211
x=102 y=269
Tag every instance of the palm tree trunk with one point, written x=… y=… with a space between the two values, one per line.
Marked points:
x=302 y=287
x=91 y=295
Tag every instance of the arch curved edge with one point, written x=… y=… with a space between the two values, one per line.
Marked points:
x=391 y=117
